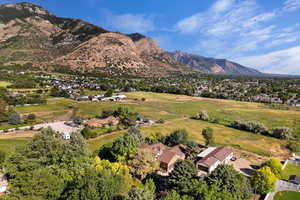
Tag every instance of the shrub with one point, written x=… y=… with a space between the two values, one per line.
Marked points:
x=203 y=115
x=143 y=99
x=293 y=146
x=160 y=121
x=254 y=127
x=282 y=133
x=15 y=118
x=31 y=117
x=87 y=133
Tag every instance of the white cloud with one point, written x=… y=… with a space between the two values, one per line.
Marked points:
x=130 y=23
x=291 y=5
x=222 y=5
x=234 y=28
x=282 y=62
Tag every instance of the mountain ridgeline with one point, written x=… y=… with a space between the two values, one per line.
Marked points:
x=31 y=34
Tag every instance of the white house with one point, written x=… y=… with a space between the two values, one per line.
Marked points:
x=212 y=157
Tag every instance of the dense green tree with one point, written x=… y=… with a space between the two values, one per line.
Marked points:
x=177 y=137
x=2 y=158
x=172 y=195
x=192 y=149
x=264 y=180
x=109 y=93
x=3 y=111
x=87 y=133
x=184 y=171
x=229 y=180
x=127 y=144
x=208 y=134
x=36 y=184
x=147 y=192
x=65 y=161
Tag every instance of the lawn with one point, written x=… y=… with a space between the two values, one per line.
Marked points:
x=287 y=195
x=9 y=145
x=289 y=170
x=4 y=84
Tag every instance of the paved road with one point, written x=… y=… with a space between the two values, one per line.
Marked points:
x=283 y=186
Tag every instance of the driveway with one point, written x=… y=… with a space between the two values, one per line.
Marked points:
x=243 y=166
x=283 y=186
x=59 y=127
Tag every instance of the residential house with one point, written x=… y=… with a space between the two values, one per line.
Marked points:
x=212 y=157
x=167 y=157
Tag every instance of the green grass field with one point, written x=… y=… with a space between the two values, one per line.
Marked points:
x=289 y=170
x=287 y=195
x=4 y=84
x=176 y=110
x=9 y=145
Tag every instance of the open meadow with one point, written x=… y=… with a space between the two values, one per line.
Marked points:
x=4 y=84
x=177 y=110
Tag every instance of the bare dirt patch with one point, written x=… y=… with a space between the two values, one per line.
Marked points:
x=18 y=135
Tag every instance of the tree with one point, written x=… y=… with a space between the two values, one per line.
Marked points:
x=31 y=118
x=227 y=179
x=275 y=166
x=192 y=150
x=2 y=158
x=36 y=184
x=77 y=120
x=208 y=135
x=203 y=115
x=109 y=93
x=264 y=180
x=3 y=111
x=177 y=137
x=147 y=192
x=282 y=133
x=87 y=133
x=142 y=163
x=47 y=161
x=184 y=171
x=15 y=118
x=172 y=195
x=126 y=144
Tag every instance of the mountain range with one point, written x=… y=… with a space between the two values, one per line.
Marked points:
x=31 y=34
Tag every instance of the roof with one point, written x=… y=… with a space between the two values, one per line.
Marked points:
x=178 y=150
x=295 y=178
x=163 y=154
x=218 y=154
x=155 y=148
x=167 y=156
x=206 y=152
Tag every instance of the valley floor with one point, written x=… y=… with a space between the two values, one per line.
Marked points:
x=177 y=110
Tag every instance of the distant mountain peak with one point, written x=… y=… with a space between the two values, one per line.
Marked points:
x=30 y=33
x=213 y=65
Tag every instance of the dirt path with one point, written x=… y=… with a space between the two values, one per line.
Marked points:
x=18 y=135
x=65 y=117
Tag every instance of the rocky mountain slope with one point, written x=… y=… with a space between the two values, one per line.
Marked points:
x=29 y=33
x=212 y=65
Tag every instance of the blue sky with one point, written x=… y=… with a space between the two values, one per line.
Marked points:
x=263 y=34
